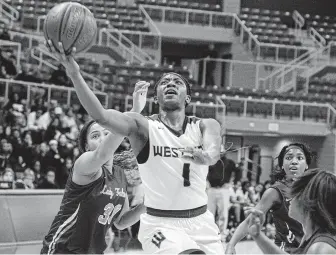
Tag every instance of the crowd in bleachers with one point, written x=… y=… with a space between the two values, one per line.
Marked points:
x=38 y=143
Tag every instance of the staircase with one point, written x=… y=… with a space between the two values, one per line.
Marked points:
x=41 y=54
x=115 y=44
x=120 y=44
x=295 y=75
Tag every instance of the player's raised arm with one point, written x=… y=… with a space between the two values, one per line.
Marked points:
x=113 y=120
x=269 y=198
x=90 y=162
x=210 y=153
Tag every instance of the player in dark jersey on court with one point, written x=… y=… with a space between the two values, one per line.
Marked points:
x=313 y=205
x=95 y=194
x=293 y=160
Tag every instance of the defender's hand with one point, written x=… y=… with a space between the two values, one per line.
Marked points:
x=140 y=96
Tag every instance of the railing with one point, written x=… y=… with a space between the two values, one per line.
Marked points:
x=156 y=40
x=109 y=40
x=224 y=106
x=189 y=16
x=277 y=52
x=274 y=52
x=235 y=73
x=94 y=83
x=41 y=19
x=280 y=110
x=123 y=40
x=317 y=38
x=29 y=90
x=4 y=44
x=7 y=10
x=297 y=77
x=299 y=23
x=269 y=81
x=33 y=40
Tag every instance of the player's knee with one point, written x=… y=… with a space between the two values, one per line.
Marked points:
x=192 y=251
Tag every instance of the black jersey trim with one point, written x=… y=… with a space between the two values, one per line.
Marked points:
x=173 y=131
x=144 y=153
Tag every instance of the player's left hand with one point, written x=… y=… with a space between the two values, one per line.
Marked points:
x=140 y=96
x=256 y=219
x=193 y=155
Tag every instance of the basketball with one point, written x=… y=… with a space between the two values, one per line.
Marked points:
x=72 y=24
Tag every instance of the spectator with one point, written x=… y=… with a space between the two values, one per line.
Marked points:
x=27 y=150
x=59 y=77
x=5 y=35
x=246 y=185
x=63 y=175
x=7 y=65
x=2 y=132
x=42 y=151
x=7 y=159
x=26 y=75
x=256 y=193
x=64 y=147
x=218 y=179
x=8 y=176
x=14 y=109
x=69 y=121
x=16 y=140
x=29 y=179
x=240 y=169
x=53 y=130
x=2 y=143
x=75 y=153
x=38 y=104
x=37 y=169
x=237 y=200
x=35 y=125
x=20 y=165
x=46 y=118
x=48 y=182
x=53 y=160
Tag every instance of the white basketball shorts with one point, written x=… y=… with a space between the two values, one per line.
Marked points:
x=160 y=235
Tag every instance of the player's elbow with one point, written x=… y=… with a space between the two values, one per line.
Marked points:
x=113 y=121
x=213 y=159
x=100 y=118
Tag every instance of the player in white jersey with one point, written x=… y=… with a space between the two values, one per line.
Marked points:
x=174 y=152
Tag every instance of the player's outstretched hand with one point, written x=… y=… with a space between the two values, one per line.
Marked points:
x=140 y=96
x=67 y=61
x=193 y=155
x=256 y=219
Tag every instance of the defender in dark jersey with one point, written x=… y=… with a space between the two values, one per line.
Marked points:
x=293 y=160
x=95 y=194
x=313 y=205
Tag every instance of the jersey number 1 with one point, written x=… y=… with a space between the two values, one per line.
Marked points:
x=185 y=175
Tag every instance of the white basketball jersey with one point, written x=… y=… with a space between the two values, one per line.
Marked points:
x=165 y=175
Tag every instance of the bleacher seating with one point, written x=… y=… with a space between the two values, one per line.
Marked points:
x=270 y=26
x=123 y=17
x=324 y=25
